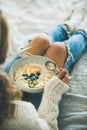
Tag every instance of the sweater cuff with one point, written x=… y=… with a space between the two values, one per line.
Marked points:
x=56 y=86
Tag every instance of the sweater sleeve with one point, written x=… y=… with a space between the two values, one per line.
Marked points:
x=48 y=109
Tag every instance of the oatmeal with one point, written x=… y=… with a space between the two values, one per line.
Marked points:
x=33 y=75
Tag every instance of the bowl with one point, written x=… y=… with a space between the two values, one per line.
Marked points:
x=27 y=61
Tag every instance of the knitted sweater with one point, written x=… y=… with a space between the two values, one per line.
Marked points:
x=26 y=117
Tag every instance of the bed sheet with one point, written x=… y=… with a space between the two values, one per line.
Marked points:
x=27 y=17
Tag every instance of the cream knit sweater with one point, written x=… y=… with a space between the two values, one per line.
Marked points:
x=27 y=118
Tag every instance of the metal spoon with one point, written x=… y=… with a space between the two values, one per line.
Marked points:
x=50 y=65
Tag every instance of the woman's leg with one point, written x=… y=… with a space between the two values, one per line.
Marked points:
x=57 y=33
x=58 y=53
x=76 y=45
x=39 y=45
x=67 y=53
x=42 y=44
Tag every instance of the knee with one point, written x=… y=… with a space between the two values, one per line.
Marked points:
x=58 y=49
x=42 y=40
x=58 y=53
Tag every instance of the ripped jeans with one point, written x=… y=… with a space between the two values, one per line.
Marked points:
x=75 y=44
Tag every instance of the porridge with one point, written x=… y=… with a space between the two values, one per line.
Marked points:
x=33 y=75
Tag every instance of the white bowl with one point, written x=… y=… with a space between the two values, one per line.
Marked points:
x=23 y=61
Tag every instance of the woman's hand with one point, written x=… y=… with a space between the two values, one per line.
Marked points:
x=62 y=75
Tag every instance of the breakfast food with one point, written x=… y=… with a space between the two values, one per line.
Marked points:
x=33 y=75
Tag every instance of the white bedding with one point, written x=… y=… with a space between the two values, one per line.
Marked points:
x=32 y=16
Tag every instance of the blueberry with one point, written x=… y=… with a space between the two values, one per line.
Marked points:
x=32 y=78
x=25 y=75
x=32 y=74
x=36 y=77
x=38 y=73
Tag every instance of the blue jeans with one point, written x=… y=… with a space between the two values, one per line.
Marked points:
x=76 y=45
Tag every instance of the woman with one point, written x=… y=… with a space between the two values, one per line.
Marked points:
x=21 y=115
